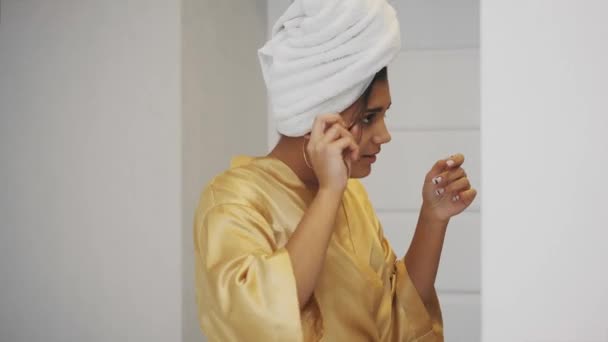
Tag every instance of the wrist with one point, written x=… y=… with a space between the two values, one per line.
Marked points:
x=428 y=215
x=330 y=193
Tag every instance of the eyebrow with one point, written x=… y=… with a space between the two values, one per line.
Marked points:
x=377 y=109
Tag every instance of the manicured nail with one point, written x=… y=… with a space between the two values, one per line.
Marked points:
x=437 y=180
x=450 y=162
x=439 y=191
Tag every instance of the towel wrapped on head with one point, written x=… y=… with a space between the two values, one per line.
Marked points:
x=322 y=56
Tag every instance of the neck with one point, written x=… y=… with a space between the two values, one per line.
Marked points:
x=289 y=151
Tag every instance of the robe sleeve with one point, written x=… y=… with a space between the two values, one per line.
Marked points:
x=412 y=319
x=245 y=285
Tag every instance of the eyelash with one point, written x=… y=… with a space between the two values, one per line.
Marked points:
x=371 y=117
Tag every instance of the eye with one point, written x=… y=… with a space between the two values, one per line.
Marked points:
x=368 y=119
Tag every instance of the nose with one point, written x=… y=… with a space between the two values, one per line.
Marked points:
x=382 y=136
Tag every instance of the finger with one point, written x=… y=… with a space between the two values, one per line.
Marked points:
x=321 y=122
x=455 y=160
x=345 y=143
x=338 y=132
x=353 y=148
x=458 y=185
x=444 y=164
x=436 y=170
x=330 y=135
x=355 y=131
x=468 y=196
x=334 y=132
x=447 y=177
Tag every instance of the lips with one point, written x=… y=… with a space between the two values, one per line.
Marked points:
x=370 y=155
x=370 y=158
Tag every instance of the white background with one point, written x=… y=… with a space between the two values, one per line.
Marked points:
x=544 y=150
x=90 y=143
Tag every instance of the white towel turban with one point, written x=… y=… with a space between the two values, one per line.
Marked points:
x=322 y=56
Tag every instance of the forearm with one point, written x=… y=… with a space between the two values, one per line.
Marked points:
x=422 y=257
x=308 y=244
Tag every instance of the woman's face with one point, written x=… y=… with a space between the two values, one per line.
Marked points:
x=372 y=128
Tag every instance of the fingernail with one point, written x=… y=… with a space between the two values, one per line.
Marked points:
x=439 y=191
x=437 y=180
x=450 y=162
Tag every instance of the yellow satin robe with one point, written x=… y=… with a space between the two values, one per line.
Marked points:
x=245 y=287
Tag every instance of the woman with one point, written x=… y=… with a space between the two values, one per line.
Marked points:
x=288 y=246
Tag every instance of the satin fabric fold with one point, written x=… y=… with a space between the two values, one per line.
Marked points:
x=246 y=289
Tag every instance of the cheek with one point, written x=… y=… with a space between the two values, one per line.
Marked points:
x=364 y=142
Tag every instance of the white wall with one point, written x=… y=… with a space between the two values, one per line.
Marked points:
x=544 y=146
x=102 y=169
x=90 y=143
x=224 y=106
x=435 y=113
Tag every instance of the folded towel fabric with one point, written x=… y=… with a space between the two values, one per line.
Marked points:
x=322 y=56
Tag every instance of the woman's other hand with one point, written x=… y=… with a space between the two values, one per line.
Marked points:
x=447 y=190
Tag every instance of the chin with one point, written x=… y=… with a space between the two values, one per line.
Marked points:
x=361 y=172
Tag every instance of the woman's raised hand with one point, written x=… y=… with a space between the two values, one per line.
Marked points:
x=331 y=149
